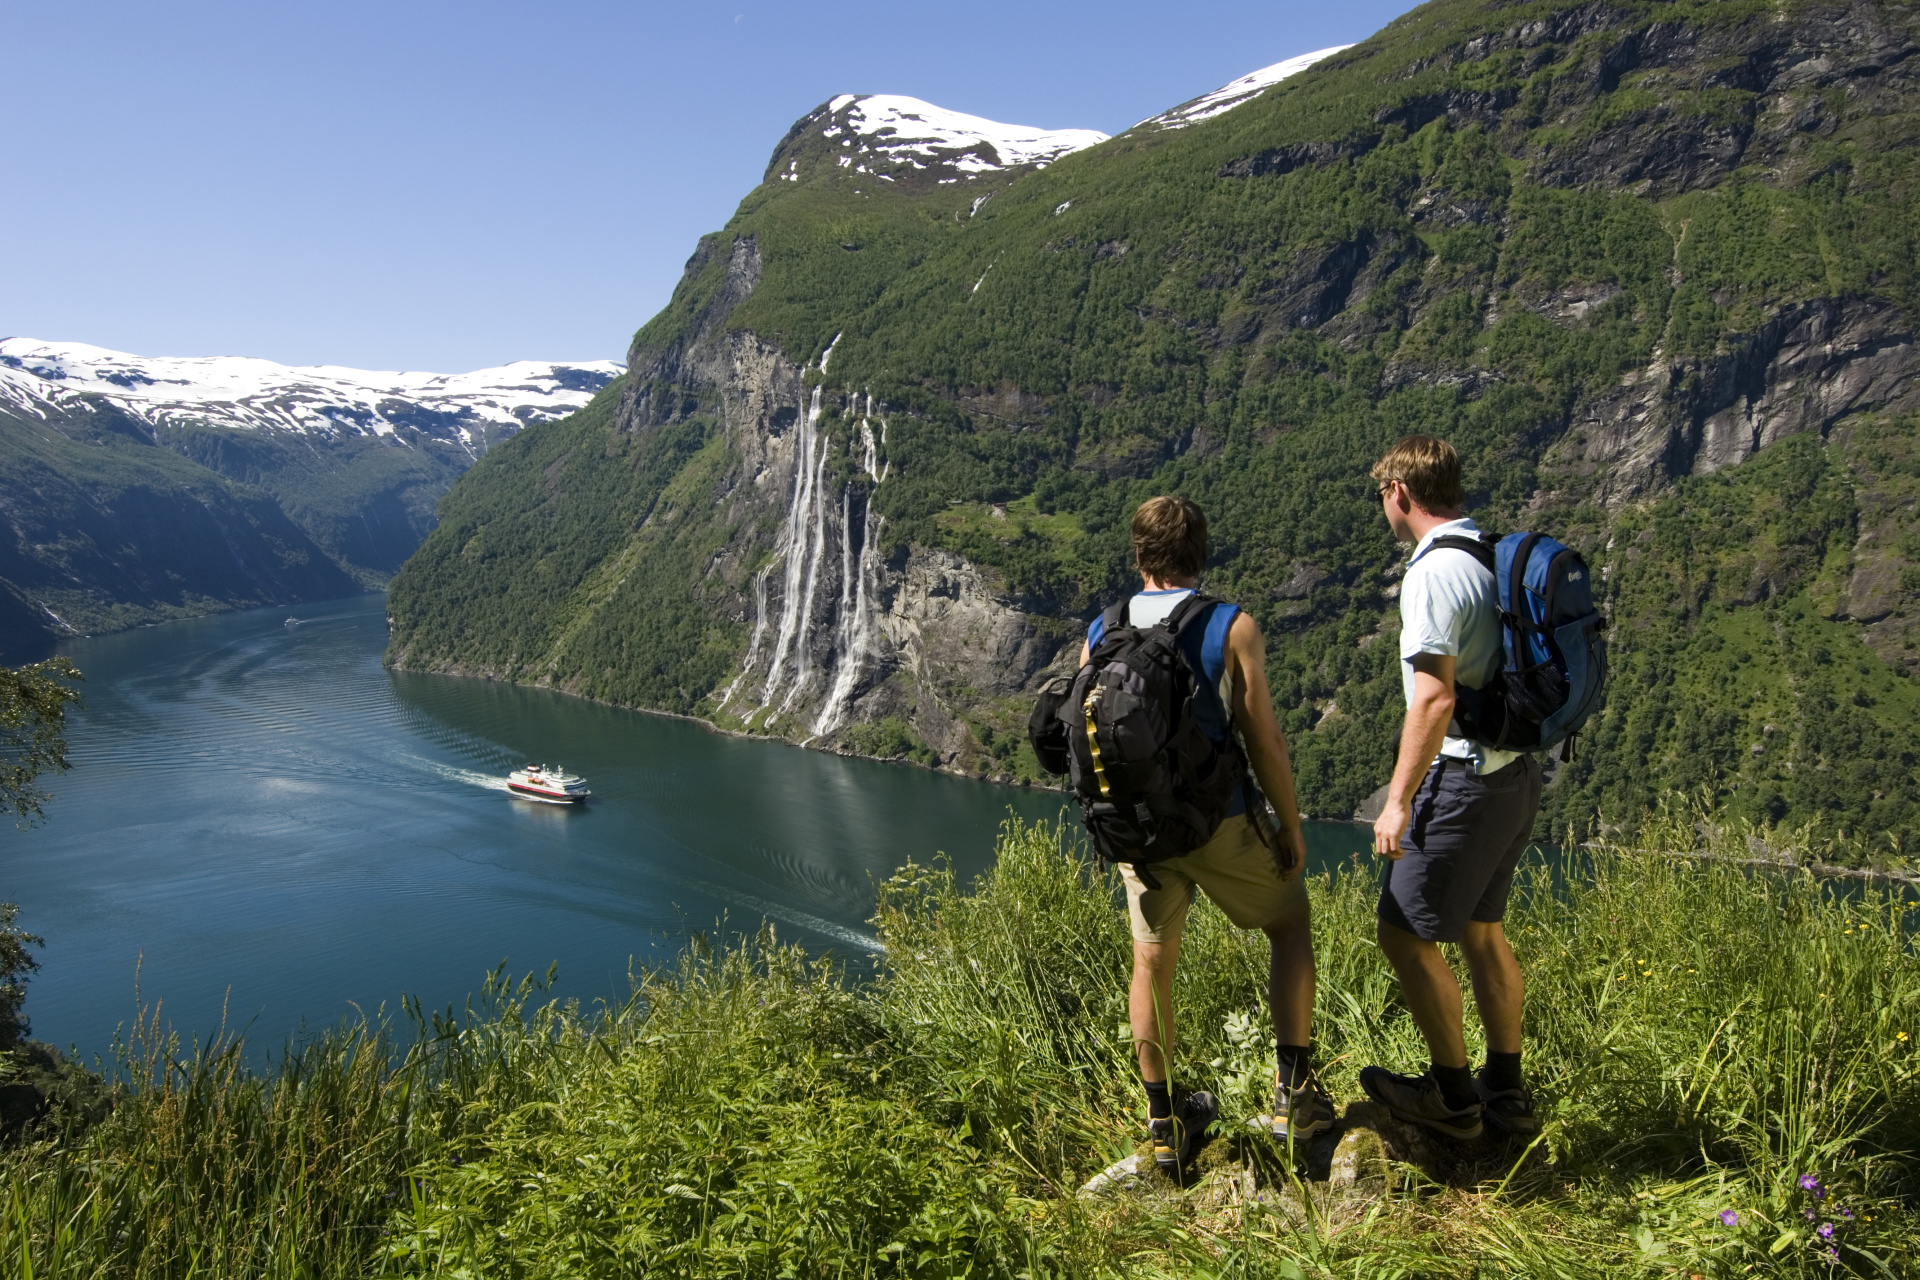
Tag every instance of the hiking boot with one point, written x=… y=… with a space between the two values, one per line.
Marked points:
x=1508 y=1109
x=1177 y=1139
x=1302 y=1113
x=1417 y=1100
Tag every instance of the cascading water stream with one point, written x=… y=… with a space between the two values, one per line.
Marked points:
x=859 y=630
x=795 y=541
x=759 y=630
x=805 y=558
x=817 y=531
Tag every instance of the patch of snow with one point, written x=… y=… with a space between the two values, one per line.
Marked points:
x=237 y=391
x=1062 y=207
x=1243 y=90
x=918 y=133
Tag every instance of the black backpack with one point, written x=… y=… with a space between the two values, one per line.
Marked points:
x=1553 y=657
x=1151 y=784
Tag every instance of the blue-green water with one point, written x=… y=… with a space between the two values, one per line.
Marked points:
x=262 y=820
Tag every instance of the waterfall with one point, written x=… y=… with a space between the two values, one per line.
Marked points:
x=795 y=541
x=759 y=630
x=795 y=666
x=817 y=527
x=859 y=627
x=874 y=467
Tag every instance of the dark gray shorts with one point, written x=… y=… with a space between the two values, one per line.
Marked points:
x=1459 y=854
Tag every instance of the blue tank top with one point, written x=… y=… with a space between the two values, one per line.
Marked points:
x=1205 y=644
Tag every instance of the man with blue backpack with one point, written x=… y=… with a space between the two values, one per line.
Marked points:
x=1500 y=656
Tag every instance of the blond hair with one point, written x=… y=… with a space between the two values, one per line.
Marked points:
x=1429 y=468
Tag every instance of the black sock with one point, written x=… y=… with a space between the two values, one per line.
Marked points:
x=1502 y=1071
x=1159 y=1099
x=1456 y=1086
x=1296 y=1064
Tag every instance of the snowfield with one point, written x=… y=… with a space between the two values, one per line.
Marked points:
x=873 y=132
x=902 y=130
x=236 y=391
x=1237 y=93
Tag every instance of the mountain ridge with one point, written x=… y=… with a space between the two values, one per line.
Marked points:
x=1641 y=261
x=144 y=488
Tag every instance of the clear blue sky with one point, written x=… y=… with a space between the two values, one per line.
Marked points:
x=454 y=185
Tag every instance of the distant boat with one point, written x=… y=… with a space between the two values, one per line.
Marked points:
x=549 y=786
x=291 y=622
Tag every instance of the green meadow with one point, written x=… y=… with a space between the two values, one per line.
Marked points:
x=1726 y=1058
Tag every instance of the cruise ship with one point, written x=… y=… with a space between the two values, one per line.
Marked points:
x=553 y=786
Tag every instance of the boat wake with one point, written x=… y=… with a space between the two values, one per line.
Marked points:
x=775 y=911
x=453 y=773
x=725 y=893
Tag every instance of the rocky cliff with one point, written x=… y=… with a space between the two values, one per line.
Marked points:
x=1650 y=264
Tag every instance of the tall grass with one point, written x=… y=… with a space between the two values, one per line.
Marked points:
x=1700 y=1036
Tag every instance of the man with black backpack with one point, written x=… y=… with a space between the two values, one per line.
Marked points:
x=1460 y=809
x=1171 y=684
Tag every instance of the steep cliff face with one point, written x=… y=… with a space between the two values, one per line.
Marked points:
x=1650 y=264
x=843 y=630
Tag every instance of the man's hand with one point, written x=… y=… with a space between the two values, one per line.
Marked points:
x=1424 y=730
x=1291 y=853
x=1389 y=827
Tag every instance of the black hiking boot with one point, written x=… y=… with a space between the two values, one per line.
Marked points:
x=1510 y=1110
x=1417 y=1100
x=1178 y=1138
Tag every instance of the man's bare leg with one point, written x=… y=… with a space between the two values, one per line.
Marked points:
x=1431 y=991
x=1290 y=974
x=1150 y=1005
x=1498 y=989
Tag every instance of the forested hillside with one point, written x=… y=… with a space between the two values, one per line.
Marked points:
x=1650 y=265
x=101 y=528
x=145 y=488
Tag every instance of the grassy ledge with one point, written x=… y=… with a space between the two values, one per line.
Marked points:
x=1702 y=1036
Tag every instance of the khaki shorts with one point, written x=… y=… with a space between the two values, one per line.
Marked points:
x=1237 y=871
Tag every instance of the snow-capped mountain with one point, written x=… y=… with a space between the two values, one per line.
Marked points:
x=43 y=379
x=883 y=133
x=1237 y=92
x=906 y=142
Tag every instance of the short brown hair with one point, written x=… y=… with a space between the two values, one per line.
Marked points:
x=1428 y=467
x=1170 y=538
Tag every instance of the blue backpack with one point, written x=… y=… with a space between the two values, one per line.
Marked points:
x=1555 y=660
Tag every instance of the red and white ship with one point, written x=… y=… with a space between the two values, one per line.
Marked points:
x=552 y=786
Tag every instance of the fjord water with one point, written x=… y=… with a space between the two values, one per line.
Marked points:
x=265 y=825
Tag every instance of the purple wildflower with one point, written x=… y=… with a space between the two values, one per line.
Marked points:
x=1809 y=1183
x=1728 y=1218
x=1847 y=1214
x=1808 y=1214
x=1824 y=1231
x=1833 y=1253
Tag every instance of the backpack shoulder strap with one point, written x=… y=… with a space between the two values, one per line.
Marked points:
x=1187 y=610
x=1480 y=548
x=1114 y=615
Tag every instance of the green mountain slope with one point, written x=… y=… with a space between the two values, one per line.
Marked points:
x=1649 y=264
x=100 y=528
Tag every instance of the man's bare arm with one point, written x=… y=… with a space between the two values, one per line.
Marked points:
x=1266 y=744
x=1428 y=713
